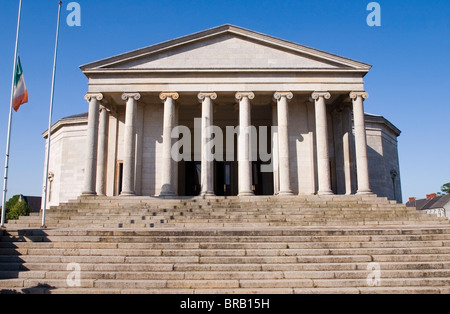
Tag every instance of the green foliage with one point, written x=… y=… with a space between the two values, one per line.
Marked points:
x=20 y=209
x=16 y=208
x=12 y=202
x=446 y=188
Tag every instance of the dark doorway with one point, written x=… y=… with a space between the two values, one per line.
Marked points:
x=224 y=179
x=262 y=181
x=119 y=178
x=193 y=178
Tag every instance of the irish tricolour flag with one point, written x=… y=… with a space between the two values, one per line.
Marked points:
x=20 y=95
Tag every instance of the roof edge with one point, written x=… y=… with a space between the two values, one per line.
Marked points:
x=75 y=119
x=369 y=117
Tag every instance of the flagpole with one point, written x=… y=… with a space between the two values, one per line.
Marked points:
x=8 y=138
x=52 y=97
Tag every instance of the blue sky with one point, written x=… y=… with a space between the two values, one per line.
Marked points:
x=409 y=83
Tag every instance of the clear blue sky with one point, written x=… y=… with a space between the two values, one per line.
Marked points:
x=409 y=83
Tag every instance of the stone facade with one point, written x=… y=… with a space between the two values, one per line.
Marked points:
x=225 y=77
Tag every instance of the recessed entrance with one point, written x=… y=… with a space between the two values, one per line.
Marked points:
x=193 y=173
x=119 y=178
x=226 y=181
x=226 y=178
x=226 y=167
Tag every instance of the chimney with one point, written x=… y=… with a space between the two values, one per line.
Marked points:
x=431 y=196
x=412 y=199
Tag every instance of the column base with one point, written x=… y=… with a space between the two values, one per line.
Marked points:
x=127 y=194
x=364 y=192
x=89 y=194
x=286 y=193
x=207 y=194
x=167 y=194
x=246 y=193
x=325 y=193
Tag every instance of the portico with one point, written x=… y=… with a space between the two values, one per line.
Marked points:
x=95 y=178
x=294 y=117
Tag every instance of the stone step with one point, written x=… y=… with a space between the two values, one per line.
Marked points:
x=22 y=246
x=210 y=275
x=391 y=290
x=223 y=252
x=178 y=267
x=20 y=266
x=162 y=285
x=359 y=258
x=286 y=219
x=226 y=239
x=305 y=244
x=219 y=233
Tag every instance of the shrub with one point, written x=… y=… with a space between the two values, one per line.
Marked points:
x=16 y=207
x=18 y=210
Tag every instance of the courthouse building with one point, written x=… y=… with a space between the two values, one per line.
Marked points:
x=312 y=101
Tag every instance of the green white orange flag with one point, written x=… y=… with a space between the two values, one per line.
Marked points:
x=20 y=95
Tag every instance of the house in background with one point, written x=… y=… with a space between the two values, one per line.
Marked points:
x=34 y=202
x=433 y=204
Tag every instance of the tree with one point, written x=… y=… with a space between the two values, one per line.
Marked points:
x=12 y=201
x=446 y=188
x=20 y=209
x=16 y=207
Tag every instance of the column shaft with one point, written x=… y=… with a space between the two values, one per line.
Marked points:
x=276 y=165
x=90 y=170
x=323 y=155
x=346 y=148
x=283 y=142
x=102 y=151
x=207 y=173
x=362 y=162
x=129 y=160
x=139 y=148
x=244 y=144
x=167 y=165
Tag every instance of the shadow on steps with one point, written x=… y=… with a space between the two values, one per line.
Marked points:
x=12 y=266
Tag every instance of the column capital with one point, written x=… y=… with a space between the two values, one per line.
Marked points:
x=203 y=96
x=240 y=95
x=135 y=96
x=278 y=95
x=355 y=95
x=164 y=95
x=317 y=95
x=90 y=96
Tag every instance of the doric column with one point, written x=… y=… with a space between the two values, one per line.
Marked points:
x=169 y=118
x=282 y=99
x=244 y=144
x=102 y=151
x=129 y=160
x=362 y=163
x=90 y=170
x=207 y=174
x=323 y=155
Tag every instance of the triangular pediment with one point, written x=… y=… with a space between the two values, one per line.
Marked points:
x=227 y=47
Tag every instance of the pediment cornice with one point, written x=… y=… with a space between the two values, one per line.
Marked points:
x=326 y=62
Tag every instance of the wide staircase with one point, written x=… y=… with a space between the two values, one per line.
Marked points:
x=314 y=244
